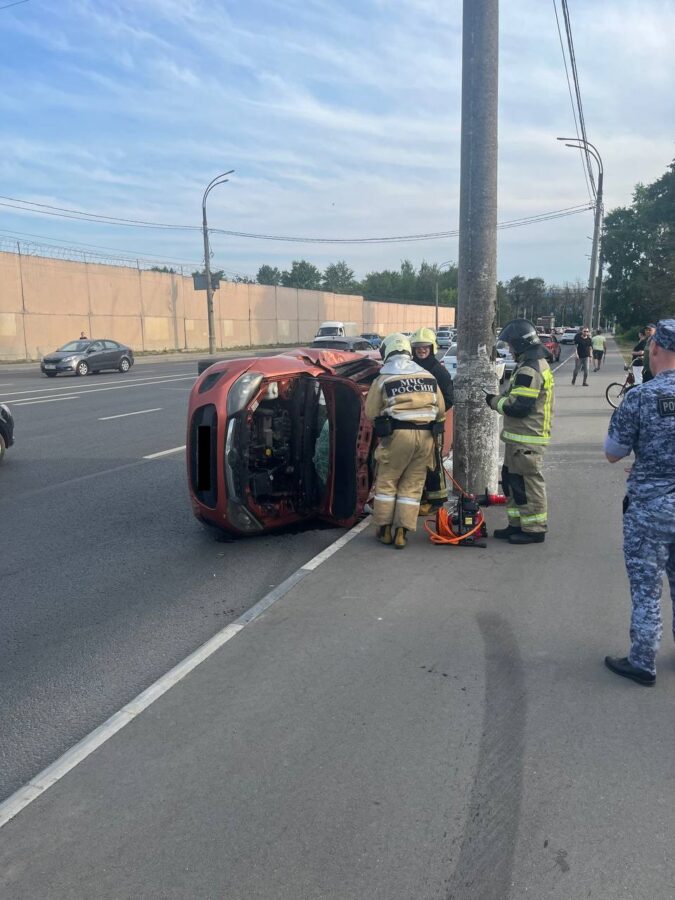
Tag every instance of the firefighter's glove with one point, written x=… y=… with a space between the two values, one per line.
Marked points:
x=489 y=398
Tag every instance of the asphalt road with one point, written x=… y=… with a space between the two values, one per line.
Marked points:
x=106 y=579
x=433 y=724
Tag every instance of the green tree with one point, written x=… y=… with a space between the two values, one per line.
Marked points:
x=639 y=248
x=302 y=274
x=166 y=269
x=268 y=275
x=339 y=278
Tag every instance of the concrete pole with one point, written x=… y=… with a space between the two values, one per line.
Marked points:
x=475 y=451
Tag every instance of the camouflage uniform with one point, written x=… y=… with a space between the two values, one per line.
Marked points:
x=645 y=424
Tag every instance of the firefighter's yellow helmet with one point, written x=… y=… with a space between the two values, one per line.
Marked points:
x=395 y=343
x=425 y=336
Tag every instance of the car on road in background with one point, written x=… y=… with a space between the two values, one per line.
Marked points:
x=445 y=336
x=448 y=360
x=372 y=338
x=510 y=364
x=87 y=357
x=568 y=335
x=274 y=441
x=347 y=344
x=6 y=429
x=552 y=344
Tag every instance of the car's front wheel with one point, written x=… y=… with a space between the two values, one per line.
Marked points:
x=82 y=368
x=125 y=364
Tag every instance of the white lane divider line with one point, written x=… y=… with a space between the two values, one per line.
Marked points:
x=22 y=798
x=165 y=452
x=140 y=412
x=567 y=359
x=128 y=382
x=29 y=401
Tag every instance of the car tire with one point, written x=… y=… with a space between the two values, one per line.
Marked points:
x=3 y=447
x=125 y=364
x=50 y=374
x=82 y=368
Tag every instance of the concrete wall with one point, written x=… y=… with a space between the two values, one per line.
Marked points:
x=46 y=302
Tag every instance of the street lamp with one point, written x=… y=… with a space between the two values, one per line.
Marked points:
x=219 y=179
x=593 y=291
x=438 y=270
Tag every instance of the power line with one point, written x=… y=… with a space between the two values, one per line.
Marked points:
x=577 y=91
x=569 y=88
x=80 y=215
x=16 y=3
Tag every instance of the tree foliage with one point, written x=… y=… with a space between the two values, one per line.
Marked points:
x=639 y=249
x=302 y=274
x=268 y=275
x=339 y=278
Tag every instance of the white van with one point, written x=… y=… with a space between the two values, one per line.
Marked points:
x=338 y=329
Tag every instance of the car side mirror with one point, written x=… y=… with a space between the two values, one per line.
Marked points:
x=91 y=349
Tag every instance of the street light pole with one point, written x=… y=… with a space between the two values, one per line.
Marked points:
x=438 y=271
x=577 y=144
x=219 y=179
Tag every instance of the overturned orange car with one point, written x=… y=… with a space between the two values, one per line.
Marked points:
x=274 y=441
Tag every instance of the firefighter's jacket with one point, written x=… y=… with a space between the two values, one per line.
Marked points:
x=406 y=392
x=527 y=405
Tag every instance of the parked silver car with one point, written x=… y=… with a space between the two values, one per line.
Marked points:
x=84 y=357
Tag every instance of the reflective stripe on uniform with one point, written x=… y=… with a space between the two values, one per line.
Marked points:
x=414 y=415
x=408 y=500
x=384 y=498
x=512 y=513
x=548 y=403
x=500 y=404
x=525 y=438
x=530 y=520
x=524 y=392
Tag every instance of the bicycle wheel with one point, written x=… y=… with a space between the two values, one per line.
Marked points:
x=615 y=393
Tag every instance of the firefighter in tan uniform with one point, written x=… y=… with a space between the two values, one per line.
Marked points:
x=527 y=407
x=407 y=407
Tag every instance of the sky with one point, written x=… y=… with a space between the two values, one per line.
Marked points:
x=340 y=118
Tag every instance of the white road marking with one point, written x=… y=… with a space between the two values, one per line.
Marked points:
x=164 y=452
x=6 y=384
x=136 y=382
x=567 y=359
x=140 y=412
x=29 y=401
x=84 y=748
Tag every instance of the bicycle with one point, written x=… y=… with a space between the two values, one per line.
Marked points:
x=616 y=392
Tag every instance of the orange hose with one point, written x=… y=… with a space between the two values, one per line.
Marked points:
x=444 y=533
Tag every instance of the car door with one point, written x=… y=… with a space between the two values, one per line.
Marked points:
x=351 y=438
x=95 y=357
x=113 y=354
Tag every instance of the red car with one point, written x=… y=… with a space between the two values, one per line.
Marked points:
x=272 y=441
x=550 y=341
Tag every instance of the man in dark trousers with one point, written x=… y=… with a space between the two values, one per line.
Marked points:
x=425 y=348
x=584 y=345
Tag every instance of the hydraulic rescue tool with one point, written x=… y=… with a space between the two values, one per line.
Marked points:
x=463 y=524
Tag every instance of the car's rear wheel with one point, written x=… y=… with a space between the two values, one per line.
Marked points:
x=50 y=374
x=125 y=364
x=82 y=368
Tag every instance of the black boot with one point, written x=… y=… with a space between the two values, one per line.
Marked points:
x=624 y=667
x=528 y=537
x=503 y=534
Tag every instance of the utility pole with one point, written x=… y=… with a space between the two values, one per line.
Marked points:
x=590 y=150
x=476 y=425
x=219 y=179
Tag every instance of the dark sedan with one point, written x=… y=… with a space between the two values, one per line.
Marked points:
x=6 y=429
x=85 y=357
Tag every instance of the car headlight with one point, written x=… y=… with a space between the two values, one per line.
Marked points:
x=242 y=390
x=68 y=359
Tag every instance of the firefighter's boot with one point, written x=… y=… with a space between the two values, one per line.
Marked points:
x=400 y=539
x=384 y=534
x=426 y=508
x=503 y=534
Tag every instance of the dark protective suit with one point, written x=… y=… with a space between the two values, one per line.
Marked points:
x=435 y=486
